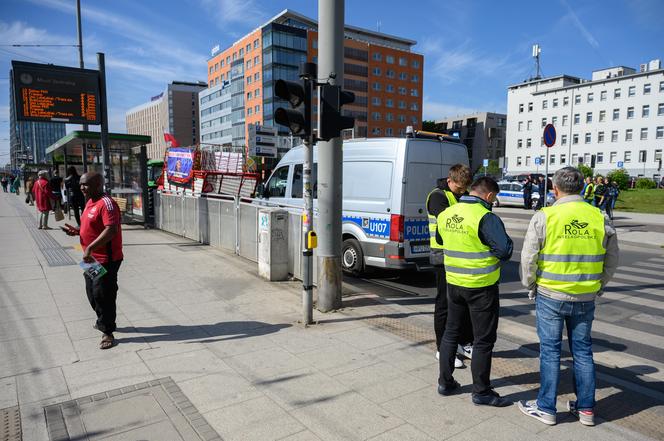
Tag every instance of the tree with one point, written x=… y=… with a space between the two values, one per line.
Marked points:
x=645 y=184
x=621 y=177
x=587 y=171
x=492 y=169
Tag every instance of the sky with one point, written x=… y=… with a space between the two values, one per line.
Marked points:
x=472 y=50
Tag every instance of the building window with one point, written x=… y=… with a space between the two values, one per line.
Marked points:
x=552 y=159
x=590 y=98
x=376 y=71
x=628 y=156
x=257 y=108
x=376 y=116
x=600 y=137
x=377 y=56
x=519 y=143
x=631 y=91
x=375 y=101
x=658 y=155
x=413 y=120
x=577 y=99
x=529 y=143
x=543 y=122
x=228 y=60
x=530 y=107
x=256 y=60
x=415 y=64
x=375 y=131
x=257 y=92
x=250 y=111
x=554 y=120
x=565 y=100
x=390 y=73
x=241 y=52
x=389 y=59
x=642 y=156
x=565 y=119
x=586 y=158
x=389 y=103
x=628 y=135
x=614 y=136
x=520 y=126
x=554 y=103
x=415 y=78
x=575 y=158
x=403 y=61
x=389 y=117
x=256 y=43
x=616 y=93
x=388 y=131
x=577 y=118
x=661 y=86
x=403 y=76
x=222 y=63
x=248 y=48
x=402 y=118
x=644 y=133
x=616 y=114
x=602 y=95
x=389 y=88
x=600 y=157
x=527 y=161
x=563 y=140
x=249 y=64
x=414 y=92
x=257 y=76
x=589 y=117
x=563 y=158
x=403 y=91
x=659 y=133
x=646 y=89
x=529 y=126
x=545 y=104
x=588 y=138
x=518 y=161
x=645 y=111
x=248 y=96
x=612 y=157
x=660 y=109
x=602 y=115
x=520 y=108
x=630 y=112
x=402 y=104
x=376 y=86
x=249 y=79
x=575 y=138
x=414 y=106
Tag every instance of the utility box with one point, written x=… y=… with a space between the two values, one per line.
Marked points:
x=273 y=244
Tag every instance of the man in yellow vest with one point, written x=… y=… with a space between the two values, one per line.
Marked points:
x=447 y=193
x=475 y=243
x=569 y=255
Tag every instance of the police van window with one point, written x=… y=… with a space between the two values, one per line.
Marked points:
x=276 y=187
x=369 y=180
x=505 y=187
x=516 y=187
x=298 y=191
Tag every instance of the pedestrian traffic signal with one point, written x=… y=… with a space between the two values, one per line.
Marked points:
x=298 y=118
x=330 y=120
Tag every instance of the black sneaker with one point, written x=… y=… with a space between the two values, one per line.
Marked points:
x=491 y=398
x=449 y=389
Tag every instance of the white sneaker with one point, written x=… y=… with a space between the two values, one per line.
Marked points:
x=457 y=363
x=465 y=351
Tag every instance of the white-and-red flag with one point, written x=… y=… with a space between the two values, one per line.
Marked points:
x=170 y=140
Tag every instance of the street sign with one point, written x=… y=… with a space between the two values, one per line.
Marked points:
x=48 y=93
x=262 y=141
x=620 y=164
x=485 y=163
x=537 y=161
x=549 y=135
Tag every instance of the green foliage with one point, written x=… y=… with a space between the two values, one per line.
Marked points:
x=587 y=171
x=645 y=184
x=621 y=177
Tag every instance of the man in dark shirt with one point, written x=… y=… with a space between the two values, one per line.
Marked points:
x=56 y=187
x=527 y=193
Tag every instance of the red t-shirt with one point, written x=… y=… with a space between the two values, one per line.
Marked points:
x=96 y=216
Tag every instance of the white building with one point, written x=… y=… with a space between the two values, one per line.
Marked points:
x=618 y=116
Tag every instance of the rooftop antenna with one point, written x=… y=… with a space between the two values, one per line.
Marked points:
x=378 y=24
x=537 y=50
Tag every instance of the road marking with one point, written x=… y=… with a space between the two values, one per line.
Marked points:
x=652 y=272
x=638 y=279
x=657 y=259
x=649 y=319
x=652 y=265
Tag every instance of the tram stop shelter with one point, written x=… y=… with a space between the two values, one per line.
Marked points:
x=128 y=163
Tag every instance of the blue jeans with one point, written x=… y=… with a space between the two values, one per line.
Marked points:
x=577 y=317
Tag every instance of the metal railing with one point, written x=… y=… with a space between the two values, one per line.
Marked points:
x=228 y=223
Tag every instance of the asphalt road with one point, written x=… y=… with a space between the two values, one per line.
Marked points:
x=629 y=318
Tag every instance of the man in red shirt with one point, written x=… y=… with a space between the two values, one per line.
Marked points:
x=101 y=239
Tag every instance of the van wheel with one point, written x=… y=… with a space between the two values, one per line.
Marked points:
x=352 y=258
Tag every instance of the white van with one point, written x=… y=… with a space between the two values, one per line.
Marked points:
x=385 y=185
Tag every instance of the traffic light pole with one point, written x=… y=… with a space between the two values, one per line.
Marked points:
x=330 y=160
x=105 y=148
x=307 y=228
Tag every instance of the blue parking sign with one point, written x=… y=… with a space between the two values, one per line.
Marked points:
x=485 y=162
x=620 y=164
x=537 y=161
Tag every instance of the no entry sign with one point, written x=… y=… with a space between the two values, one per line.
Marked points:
x=549 y=135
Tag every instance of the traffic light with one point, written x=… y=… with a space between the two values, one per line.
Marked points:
x=330 y=120
x=592 y=161
x=296 y=93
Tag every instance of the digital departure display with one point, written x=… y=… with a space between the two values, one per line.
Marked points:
x=47 y=93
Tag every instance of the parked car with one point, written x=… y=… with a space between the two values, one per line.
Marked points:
x=511 y=194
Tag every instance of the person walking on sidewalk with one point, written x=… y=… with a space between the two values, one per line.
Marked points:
x=101 y=239
x=447 y=193
x=4 y=182
x=29 y=198
x=569 y=254
x=588 y=192
x=16 y=186
x=41 y=190
x=56 y=188
x=75 y=199
x=475 y=243
x=600 y=189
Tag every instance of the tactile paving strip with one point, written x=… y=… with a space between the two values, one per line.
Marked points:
x=10 y=424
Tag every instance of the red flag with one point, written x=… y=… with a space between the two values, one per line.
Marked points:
x=170 y=140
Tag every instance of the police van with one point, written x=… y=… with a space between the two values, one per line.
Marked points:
x=385 y=185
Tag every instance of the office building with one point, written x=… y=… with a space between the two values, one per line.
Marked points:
x=28 y=140
x=617 y=117
x=381 y=69
x=174 y=111
x=483 y=133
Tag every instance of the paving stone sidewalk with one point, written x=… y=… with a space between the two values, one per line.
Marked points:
x=207 y=350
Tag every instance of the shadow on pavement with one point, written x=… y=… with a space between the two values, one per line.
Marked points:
x=221 y=331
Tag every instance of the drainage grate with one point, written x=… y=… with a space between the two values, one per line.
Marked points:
x=158 y=408
x=10 y=424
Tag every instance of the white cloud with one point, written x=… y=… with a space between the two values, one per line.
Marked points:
x=436 y=110
x=590 y=39
x=244 y=12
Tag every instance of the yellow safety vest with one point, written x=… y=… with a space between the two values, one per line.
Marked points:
x=590 y=191
x=451 y=199
x=572 y=259
x=468 y=262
